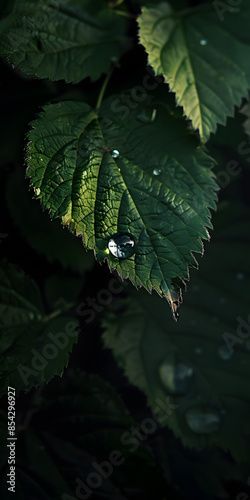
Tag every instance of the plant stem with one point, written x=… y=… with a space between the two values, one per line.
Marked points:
x=58 y=311
x=102 y=92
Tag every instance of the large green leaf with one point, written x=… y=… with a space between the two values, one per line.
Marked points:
x=204 y=61
x=65 y=40
x=202 y=362
x=124 y=173
x=34 y=347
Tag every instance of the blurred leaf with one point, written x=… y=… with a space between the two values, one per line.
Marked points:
x=200 y=474
x=204 y=60
x=111 y=178
x=79 y=421
x=68 y=40
x=202 y=363
x=45 y=236
x=62 y=286
x=34 y=347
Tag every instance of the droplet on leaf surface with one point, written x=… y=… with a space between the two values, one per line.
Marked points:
x=122 y=246
x=203 y=420
x=175 y=376
x=156 y=171
x=224 y=353
x=115 y=153
x=203 y=42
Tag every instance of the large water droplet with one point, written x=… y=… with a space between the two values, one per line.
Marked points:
x=147 y=115
x=203 y=42
x=122 y=246
x=175 y=376
x=248 y=344
x=156 y=171
x=222 y=300
x=203 y=420
x=115 y=153
x=224 y=353
x=198 y=350
x=215 y=319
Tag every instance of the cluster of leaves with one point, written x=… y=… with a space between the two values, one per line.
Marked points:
x=134 y=163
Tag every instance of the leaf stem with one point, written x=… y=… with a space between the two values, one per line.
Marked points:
x=56 y=313
x=102 y=92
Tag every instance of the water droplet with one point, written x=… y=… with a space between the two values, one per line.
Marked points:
x=248 y=344
x=224 y=353
x=115 y=153
x=203 y=42
x=198 y=350
x=215 y=319
x=235 y=10
x=175 y=376
x=41 y=159
x=240 y=276
x=203 y=420
x=121 y=246
x=156 y=171
x=147 y=115
x=222 y=300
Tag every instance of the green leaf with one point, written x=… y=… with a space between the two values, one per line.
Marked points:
x=66 y=40
x=97 y=173
x=34 y=347
x=204 y=61
x=42 y=234
x=203 y=362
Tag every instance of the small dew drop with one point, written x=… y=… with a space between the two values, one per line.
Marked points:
x=121 y=246
x=198 y=350
x=175 y=376
x=203 y=420
x=240 y=276
x=156 y=171
x=234 y=10
x=115 y=153
x=41 y=159
x=224 y=353
x=203 y=42
x=215 y=319
x=222 y=300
